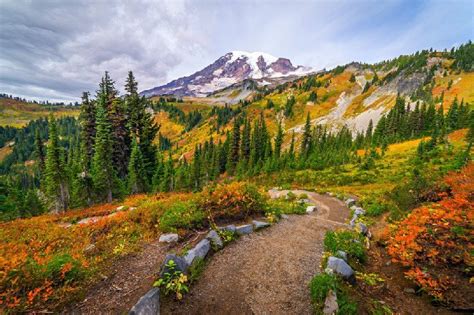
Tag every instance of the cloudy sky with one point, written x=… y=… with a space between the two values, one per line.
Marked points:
x=57 y=49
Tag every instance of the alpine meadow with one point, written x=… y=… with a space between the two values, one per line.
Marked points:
x=147 y=168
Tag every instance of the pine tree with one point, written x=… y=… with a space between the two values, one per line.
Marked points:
x=167 y=183
x=141 y=125
x=120 y=137
x=246 y=142
x=137 y=182
x=55 y=174
x=87 y=123
x=368 y=133
x=39 y=151
x=103 y=172
x=234 y=148
x=278 y=141
x=306 y=142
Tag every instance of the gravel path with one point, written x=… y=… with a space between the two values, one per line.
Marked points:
x=265 y=272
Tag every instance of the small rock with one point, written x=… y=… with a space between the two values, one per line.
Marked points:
x=409 y=290
x=342 y=254
x=121 y=208
x=388 y=263
x=89 y=248
x=340 y=267
x=330 y=304
x=350 y=202
x=358 y=211
x=353 y=221
x=284 y=216
x=132 y=208
x=149 y=304
x=168 y=238
x=200 y=250
x=260 y=224
x=230 y=228
x=215 y=239
x=303 y=201
x=244 y=229
x=310 y=209
x=362 y=228
x=180 y=262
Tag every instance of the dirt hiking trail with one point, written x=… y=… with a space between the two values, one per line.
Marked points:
x=265 y=272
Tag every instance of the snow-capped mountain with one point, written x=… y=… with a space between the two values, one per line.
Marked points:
x=229 y=69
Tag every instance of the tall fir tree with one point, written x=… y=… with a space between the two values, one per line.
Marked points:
x=55 y=173
x=234 y=148
x=104 y=174
x=137 y=182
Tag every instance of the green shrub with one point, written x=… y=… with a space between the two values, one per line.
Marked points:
x=196 y=269
x=349 y=241
x=279 y=206
x=319 y=288
x=182 y=214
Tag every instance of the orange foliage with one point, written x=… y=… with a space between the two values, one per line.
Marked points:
x=435 y=241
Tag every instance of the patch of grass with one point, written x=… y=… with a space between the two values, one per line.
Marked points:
x=181 y=214
x=349 y=241
x=196 y=269
x=281 y=206
x=319 y=288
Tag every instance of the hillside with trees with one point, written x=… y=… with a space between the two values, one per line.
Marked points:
x=396 y=135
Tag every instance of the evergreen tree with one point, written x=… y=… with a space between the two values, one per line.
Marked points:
x=137 y=182
x=306 y=142
x=278 y=141
x=167 y=183
x=55 y=175
x=104 y=175
x=234 y=148
x=39 y=151
x=141 y=125
x=87 y=123
x=246 y=142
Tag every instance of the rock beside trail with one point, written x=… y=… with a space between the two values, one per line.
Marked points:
x=358 y=211
x=215 y=239
x=181 y=264
x=330 y=304
x=350 y=202
x=121 y=208
x=169 y=238
x=260 y=224
x=342 y=254
x=199 y=251
x=244 y=229
x=310 y=209
x=362 y=228
x=149 y=304
x=230 y=228
x=341 y=268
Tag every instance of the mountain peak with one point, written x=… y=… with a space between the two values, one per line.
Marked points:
x=233 y=67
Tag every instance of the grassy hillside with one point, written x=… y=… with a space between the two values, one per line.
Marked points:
x=17 y=113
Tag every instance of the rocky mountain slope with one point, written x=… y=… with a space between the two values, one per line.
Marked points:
x=232 y=68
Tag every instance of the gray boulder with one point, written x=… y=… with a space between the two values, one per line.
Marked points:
x=215 y=239
x=310 y=209
x=230 y=228
x=244 y=229
x=342 y=254
x=330 y=304
x=358 y=211
x=199 y=251
x=362 y=228
x=260 y=224
x=353 y=221
x=350 y=202
x=168 y=238
x=341 y=268
x=284 y=216
x=149 y=304
x=181 y=264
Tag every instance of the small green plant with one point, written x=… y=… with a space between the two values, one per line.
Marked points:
x=182 y=214
x=290 y=196
x=349 y=241
x=303 y=196
x=319 y=288
x=371 y=279
x=196 y=269
x=173 y=281
x=227 y=236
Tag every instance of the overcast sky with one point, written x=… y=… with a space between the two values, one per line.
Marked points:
x=57 y=49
